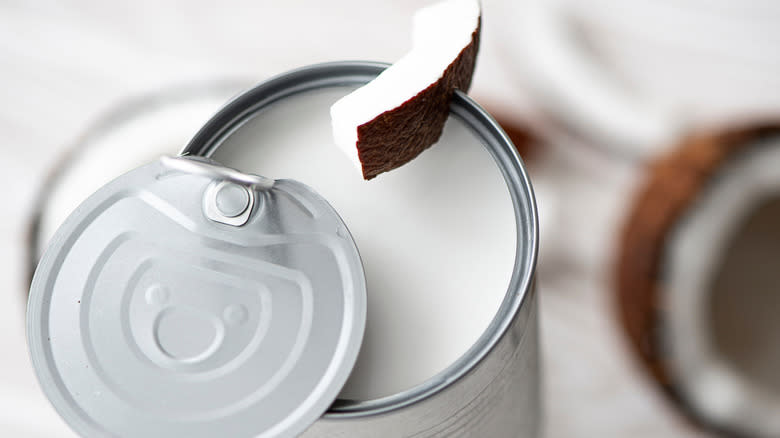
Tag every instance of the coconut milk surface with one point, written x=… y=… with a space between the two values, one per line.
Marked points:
x=437 y=236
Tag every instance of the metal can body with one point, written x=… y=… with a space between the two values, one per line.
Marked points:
x=499 y=397
x=493 y=390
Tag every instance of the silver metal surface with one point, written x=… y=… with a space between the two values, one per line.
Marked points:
x=494 y=389
x=148 y=319
x=200 y=166
x=231 y=199
x=228 y=203
x=63 y=188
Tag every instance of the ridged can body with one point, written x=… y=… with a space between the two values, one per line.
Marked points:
x=493 y=390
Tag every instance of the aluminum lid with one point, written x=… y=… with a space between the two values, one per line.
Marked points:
x=188 y=299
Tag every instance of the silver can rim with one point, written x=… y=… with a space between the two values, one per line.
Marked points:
x=345 y=73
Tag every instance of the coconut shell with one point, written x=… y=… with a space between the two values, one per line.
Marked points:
x=397 y=136
x=672 y=185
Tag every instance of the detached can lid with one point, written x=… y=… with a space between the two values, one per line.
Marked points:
x=188 y=299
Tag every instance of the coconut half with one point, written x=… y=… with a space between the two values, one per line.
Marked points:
x=696 y=278
x=395 y=117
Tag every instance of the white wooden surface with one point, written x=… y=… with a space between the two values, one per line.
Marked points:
x=62 y=63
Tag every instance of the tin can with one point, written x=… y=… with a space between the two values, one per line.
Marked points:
x=187 y=298
x=494 y=389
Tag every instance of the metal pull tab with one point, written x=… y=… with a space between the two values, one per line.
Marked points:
x=203 y=166
x=228 y=202
x=231 y=198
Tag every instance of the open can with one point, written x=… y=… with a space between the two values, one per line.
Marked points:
x=117 y=318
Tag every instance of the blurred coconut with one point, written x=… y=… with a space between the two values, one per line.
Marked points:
x=698 y=278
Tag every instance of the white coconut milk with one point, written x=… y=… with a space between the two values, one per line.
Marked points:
x=437 y=236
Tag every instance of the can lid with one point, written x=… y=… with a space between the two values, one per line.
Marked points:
x=188 y=299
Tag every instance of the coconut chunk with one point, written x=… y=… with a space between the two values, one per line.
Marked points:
x=395 y=117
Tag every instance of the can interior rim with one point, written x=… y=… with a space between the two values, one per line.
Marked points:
x=232 y=116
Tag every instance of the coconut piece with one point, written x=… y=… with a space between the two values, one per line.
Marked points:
x=393 y=118
x=673 y=185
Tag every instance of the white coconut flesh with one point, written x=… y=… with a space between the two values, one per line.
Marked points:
x=440 y=33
